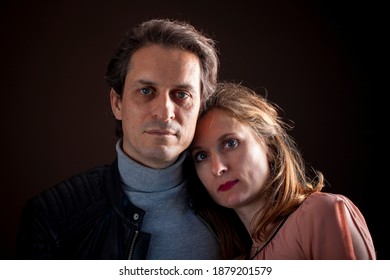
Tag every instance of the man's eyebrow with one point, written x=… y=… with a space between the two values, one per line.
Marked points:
x=148 y=82
x=144 y=82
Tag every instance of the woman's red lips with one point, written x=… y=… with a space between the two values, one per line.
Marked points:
x=227 y=186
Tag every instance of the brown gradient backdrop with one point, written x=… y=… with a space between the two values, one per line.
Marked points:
x=320 y=61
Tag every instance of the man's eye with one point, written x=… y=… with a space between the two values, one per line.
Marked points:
x=230 y=144
x=182 y=95
x=145 y=91
x=200 y=157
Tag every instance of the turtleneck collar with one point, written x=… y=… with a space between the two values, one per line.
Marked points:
x=145 y=179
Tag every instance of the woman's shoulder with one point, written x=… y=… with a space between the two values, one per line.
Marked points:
x=337 y=221
x=323 y=201
x=323 y=207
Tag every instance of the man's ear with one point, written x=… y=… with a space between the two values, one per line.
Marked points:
x=116 y=104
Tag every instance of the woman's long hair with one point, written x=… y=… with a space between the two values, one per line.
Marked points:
x=290 y=182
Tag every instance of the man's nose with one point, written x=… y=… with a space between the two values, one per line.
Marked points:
x=164 y=108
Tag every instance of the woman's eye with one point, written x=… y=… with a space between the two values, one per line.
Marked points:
x=200 y=157
x=230 y=144
x=145 y=91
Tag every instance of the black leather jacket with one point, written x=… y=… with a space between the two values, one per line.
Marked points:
x=87 y=216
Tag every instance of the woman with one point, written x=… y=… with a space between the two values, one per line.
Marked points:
x=247 y=162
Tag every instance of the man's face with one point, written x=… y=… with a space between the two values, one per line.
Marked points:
x=160 y=104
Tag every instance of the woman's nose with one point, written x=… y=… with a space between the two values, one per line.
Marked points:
x=217 y=166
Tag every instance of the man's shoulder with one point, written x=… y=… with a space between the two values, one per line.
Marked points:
x=68 y=207
x=79 y=184
x=83 y=181
x=75 y=195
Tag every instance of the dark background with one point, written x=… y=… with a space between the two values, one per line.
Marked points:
x=321 y=61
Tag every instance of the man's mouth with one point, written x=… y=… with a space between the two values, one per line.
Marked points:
x=161 y=132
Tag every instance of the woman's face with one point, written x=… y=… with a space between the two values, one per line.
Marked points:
x=230 y=161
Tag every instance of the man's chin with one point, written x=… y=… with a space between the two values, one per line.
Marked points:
x=162 y=156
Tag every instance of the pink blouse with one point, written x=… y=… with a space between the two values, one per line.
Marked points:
x=325 y=227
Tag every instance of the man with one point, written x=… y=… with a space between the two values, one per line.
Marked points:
x=137 y=207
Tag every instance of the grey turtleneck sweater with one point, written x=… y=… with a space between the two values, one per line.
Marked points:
x=176 y=232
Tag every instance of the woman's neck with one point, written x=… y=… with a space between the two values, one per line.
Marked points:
x=246 y=214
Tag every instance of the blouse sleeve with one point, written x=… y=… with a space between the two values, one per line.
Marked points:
x=333 y=228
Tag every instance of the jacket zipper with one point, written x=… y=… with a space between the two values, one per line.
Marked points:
x=131 y=245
